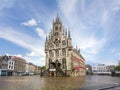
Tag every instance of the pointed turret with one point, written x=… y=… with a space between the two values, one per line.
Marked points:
x=63 y=31
x=50 y=36
x=76 y=47
x=66 y=32
x=69 y=36
x=51 y=32
x=79 y=50
x=58 y=18
x=46 y=38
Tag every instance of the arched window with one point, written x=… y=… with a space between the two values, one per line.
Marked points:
x=58 y=64
x=51 y=45
x=64 y=52
x=63 y=63
x=51 y=53
x=56 y=28
x=50 y=65
x=57 y=53
x=56 y=61
x=56 y=34
x=63 y=43
x=57 y=45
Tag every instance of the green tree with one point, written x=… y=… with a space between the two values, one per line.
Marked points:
x=43 y=67
x=117 y=68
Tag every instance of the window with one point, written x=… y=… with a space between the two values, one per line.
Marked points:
x=57 y=53
x=57 y=45
x=63 y=52
x=51 y=53
x=9 y=67
x=56 y=28
x=56 y=61
x=56 y=34
x=63 y=43
x=50 y=64
x=51 y=45
x=63 y=63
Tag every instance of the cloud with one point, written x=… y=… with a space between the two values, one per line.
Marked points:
x=40 y=61
x=90 y=24
x=39 y=52
x=6 y=4
x=31 y=22
x=40 y=32
x=36 y=49
x=92 y=45
x=21 y=39
x=81 y=25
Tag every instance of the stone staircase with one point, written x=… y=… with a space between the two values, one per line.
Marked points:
x=60 y=72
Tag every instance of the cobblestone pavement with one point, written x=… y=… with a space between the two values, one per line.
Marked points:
x=115 y=88
x=57 y=83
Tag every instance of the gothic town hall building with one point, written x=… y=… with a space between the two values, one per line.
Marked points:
x=62 y=59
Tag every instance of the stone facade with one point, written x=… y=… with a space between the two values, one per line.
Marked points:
x=102 y=69
x=61 y=57
x=30 y=68
x=11 y=65
x=19 y=66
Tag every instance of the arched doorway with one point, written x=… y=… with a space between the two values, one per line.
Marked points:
x=58 y=64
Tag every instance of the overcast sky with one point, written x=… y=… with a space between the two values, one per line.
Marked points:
x=94 y=26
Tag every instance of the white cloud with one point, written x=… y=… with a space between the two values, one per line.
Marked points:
x=40 y=32
x=87 y=23
x=92 y=45
x=79 y=27
x=71 y=7
x=40 y=61
x=21 y=39
x=18 y=55
x=31 y=22
x=26 y=41
x=39 y=52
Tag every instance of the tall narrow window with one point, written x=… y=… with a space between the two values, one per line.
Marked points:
x=50 y=65
x=63 y=63
x=56 y=28
x=51 y=46
x=51 y=53
x=57 y=53
x=57 y=45
x=63 y=43
x=64 y=52
x=56 y=34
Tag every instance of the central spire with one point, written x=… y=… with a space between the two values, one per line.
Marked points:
x=58 y=18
